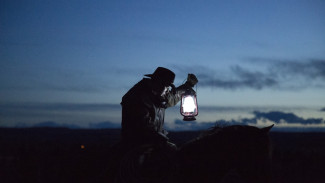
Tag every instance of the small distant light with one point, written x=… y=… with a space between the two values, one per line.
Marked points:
x=82 y=146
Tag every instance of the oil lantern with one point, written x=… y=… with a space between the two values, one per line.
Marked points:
x=189 y=108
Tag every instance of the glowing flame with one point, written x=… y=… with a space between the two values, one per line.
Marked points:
x=189 y=104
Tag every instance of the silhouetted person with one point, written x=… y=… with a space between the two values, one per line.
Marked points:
x=143 y=107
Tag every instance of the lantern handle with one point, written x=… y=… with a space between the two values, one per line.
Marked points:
x=184 y=81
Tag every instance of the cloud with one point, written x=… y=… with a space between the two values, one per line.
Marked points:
x=273 y=117
x=314 y=68
x=53 y=79
x=53 y=124
x=295 y=73
x=265 y=73
x=278 y=117
x=57 y=107
x=242 y=79
x=12 y=113
x=180 y=125
x=283 y=120
x=105 y=124
x=46 y=124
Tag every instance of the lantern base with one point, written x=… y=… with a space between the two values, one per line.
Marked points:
x=189 y=118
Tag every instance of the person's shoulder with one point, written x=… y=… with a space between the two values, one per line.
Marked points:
x=143 y=84
x=139 y=92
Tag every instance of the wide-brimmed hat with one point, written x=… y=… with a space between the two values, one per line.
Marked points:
x=163 y=75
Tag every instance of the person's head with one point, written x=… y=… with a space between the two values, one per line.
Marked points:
x=162 y=78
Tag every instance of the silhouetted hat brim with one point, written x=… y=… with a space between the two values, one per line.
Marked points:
x=163 y=75
x=149 y=75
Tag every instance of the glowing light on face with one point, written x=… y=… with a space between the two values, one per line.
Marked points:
x=163 y=93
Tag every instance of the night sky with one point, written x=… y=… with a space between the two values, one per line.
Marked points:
x=70 y=62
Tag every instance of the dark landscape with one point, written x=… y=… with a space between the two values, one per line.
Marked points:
x=79 y=155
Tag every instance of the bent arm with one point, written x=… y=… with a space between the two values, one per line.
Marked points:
x=141 y=121
x=174 y=97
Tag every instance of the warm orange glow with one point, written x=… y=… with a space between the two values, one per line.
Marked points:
x=82 y=146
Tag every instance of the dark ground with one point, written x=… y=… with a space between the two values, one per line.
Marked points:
x=57 y=155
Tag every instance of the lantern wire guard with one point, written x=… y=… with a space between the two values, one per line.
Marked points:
x=189 y=107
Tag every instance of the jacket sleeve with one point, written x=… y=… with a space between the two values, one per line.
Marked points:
x=139 y=113
x=144 y=121
x=174 y=97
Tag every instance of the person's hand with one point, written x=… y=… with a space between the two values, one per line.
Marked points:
x=188 y=85
x=191 y=80
x=172 y=146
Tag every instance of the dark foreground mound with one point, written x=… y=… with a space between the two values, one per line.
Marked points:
x=64 y=155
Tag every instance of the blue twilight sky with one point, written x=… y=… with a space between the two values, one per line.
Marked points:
x=71 y=61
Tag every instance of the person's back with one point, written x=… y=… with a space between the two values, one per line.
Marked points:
x=142 y=113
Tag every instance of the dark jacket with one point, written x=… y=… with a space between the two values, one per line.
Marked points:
x=143 y=113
